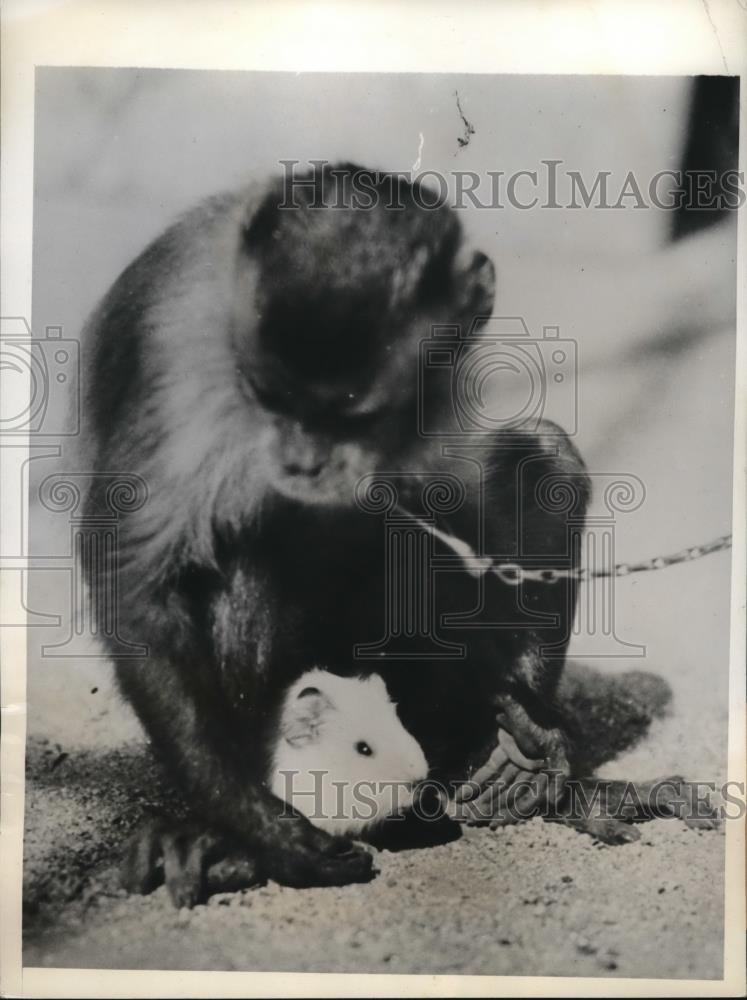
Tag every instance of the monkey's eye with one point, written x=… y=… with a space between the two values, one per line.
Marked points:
x=363 y=749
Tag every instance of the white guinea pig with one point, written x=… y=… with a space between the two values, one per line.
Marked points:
x=342 y=756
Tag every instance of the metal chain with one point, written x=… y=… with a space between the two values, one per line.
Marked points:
x=513 y=573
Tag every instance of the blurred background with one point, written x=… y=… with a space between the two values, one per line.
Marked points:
x=648 y=297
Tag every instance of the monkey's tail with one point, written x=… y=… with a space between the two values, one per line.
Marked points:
x=606 y=714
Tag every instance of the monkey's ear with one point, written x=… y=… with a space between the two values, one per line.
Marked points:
x=477 y=284
x=303 y=717
x=260 y=225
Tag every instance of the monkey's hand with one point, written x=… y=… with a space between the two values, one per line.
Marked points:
x=195 y=863
x=304 y=856
x=524 y=775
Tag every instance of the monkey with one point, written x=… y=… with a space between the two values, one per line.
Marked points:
x=252 y=366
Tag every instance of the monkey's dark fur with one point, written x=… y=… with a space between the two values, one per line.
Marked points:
x=252 y=365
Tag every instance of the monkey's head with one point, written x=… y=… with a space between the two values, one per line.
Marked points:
x=341 y=274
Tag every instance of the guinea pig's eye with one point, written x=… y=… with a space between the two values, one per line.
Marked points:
x=363 y=749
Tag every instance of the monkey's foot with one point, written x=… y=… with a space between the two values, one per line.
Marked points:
x=194 y=863
x=510 y=786
x=603 y=828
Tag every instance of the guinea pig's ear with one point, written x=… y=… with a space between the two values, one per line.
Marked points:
x=303 y=716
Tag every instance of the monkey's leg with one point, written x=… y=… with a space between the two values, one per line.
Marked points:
x=207 y=763
x=605 y=809
x=639 y=801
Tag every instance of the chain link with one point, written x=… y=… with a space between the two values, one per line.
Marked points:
x=514 y=574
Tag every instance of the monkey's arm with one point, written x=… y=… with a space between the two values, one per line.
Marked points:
x=196 y=694
x=535 y=484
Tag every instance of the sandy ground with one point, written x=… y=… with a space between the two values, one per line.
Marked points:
x=534 y=899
